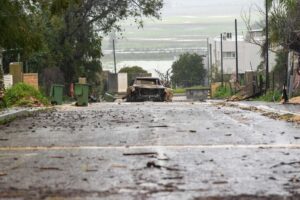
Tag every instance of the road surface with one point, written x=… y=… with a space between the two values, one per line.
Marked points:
x=150 y=151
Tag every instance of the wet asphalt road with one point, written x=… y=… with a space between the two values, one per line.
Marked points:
x=150 y=151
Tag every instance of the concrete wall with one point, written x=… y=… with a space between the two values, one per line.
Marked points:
x=117 y=83
x=295 y=79
x=31 y=79
x=8 y=81
x=16 y=70
x=197 y=94
x=112 y=83
x=122 y=82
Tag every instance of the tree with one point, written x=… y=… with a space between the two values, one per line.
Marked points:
x=16 y=31
x=283 y=25
x=67 y=33
x=165 y=77
x=79 y=26
x=133 y=72
x=188 y=70
x=279 y=71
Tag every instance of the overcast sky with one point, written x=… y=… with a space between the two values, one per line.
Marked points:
x=207 y=7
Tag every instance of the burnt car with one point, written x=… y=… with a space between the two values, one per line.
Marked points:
x=148 y=89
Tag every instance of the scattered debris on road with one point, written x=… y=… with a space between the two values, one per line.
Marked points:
x=295 y=100
x=119 y=166
x=159 y=126
x=220 y=182
x=3 y=174
x=283 y=163
x=152 y=164
x=57 y=157
x=86 y=153
x=141 y=154
x=50 y=169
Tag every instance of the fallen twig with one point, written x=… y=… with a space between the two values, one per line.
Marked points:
x=140 y=154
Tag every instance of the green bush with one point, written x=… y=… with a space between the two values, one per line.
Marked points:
x=2 y=104
x=270 y=96
x=24 y=95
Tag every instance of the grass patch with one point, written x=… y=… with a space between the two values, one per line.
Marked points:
x=223 y=92
x=24 y=95
x=179 y=91
x=270 y=96
x=183 y=90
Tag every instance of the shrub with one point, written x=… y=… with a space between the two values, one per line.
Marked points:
x=2 y=104
x=24 y=95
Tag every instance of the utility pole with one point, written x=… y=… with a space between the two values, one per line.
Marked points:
x=267 y=47
x=236 y=52
x=207 y=56
x=115 y=62
x=211 y=67
x=222 y=69
x=1 y=56
x=1 y=75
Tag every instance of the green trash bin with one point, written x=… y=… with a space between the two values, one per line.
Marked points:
x=56 y=94
x=82 y=94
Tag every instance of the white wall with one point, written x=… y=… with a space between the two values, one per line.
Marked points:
x=249 y=56
x=122 y=82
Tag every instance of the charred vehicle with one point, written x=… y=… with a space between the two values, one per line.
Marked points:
x=148 y=89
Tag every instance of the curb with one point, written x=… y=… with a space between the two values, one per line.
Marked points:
x=11 y=116
x=264 y=108
x=269 y=112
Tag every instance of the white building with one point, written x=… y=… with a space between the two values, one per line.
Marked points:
x=249 y=54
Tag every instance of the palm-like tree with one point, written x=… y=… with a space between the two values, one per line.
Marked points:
x=284 y=21
x=284 y=28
